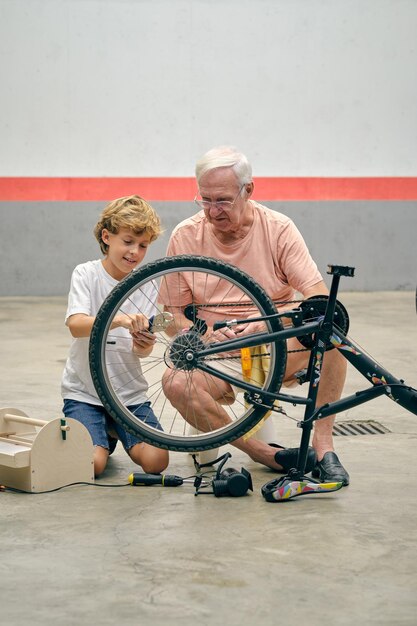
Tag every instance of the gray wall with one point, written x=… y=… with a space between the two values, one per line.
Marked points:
x=44 y=241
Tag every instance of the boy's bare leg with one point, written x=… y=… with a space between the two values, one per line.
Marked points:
x=100 y=456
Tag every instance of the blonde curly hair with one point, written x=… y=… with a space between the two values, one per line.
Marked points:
x=131 y=212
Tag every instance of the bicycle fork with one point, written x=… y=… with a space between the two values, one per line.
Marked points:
x=295 y=483
x=316 y=363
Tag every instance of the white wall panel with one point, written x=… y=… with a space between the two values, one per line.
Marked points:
x=143 y=87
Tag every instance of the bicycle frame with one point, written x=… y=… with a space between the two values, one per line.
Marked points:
x=319 y=324
x=382 y=381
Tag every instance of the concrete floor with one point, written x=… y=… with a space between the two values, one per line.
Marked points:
x=134 y=555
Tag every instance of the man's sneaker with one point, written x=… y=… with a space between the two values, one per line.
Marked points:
x=330 y=470
x=288 y=458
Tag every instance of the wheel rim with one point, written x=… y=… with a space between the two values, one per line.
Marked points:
x=223 y=294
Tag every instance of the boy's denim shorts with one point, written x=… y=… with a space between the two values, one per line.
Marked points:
x=98 y=422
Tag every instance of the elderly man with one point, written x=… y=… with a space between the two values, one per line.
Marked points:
x=266 y=245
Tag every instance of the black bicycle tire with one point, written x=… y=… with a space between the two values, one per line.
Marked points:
x=112 y=303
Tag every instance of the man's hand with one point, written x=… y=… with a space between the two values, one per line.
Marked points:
x=250 y=328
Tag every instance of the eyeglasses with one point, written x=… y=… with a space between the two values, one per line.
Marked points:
x=223 y=205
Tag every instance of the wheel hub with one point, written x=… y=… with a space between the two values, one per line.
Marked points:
x=181 y=354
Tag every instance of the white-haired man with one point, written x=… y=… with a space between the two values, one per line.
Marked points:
x=266 y=245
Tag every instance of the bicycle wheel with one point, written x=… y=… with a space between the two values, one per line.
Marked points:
x=199 y=291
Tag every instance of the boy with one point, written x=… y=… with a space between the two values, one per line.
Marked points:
x=126 y=228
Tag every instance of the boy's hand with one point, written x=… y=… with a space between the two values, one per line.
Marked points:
x=134 y=323
x=138 y=326
x=143 y=342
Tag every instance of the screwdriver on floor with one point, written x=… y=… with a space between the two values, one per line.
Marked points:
x=145 y=480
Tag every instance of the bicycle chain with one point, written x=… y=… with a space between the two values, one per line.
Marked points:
x=276 y=302
x=254 y=356
x=234 y=304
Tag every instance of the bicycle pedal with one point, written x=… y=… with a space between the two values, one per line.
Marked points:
x=160 y=322
x=279 y=490
x=301 y=376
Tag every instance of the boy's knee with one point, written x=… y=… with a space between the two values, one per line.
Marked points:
x=99 y=465
x=155 y=465
x=152 y=460
x=101 y=456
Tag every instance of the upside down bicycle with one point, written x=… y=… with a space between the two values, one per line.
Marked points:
x=191 y=297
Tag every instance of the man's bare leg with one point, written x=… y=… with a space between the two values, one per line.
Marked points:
x=332 y=381
x=199 y=399
x=333 y=376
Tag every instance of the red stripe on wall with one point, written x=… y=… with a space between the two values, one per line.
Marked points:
x=184 y=189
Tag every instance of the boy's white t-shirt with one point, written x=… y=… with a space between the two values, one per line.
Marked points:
x=90 y=286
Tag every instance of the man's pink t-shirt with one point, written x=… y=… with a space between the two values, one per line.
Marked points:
x=273 y=252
